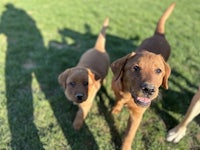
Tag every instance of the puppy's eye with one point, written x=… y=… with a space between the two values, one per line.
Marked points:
x=136 y=68
x=158 y=71
x=72 y=84
x=85 y=83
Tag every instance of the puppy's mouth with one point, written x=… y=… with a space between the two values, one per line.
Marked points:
x=141 y=101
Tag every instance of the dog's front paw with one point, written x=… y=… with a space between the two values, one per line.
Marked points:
x=176 y=134
x=77 y=124
x=116 y=110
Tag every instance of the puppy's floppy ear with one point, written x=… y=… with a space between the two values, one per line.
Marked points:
x=118 y=65
x=63 y=77
x=167 y=74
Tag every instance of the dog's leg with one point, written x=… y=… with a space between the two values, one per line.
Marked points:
x=78 y=121
x=177 y=133
x=118 y=106
x=131 y=129
x=133 y=124
x=84 y=109
x=120 y=102
x=81 y=115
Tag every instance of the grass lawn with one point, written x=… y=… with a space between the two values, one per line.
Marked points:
x=40 y=39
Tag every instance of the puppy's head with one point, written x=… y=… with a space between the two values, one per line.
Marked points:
x=77 y=83
x=141 y=74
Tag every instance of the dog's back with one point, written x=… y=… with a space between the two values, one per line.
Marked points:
x=97 y=58
x=157 y=43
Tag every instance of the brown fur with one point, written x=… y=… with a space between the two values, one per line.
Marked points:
x=82 y=82
x=178 y=132
x=138 y=76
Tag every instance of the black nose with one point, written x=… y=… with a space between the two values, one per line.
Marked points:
x=79 y=96
x=148 y=89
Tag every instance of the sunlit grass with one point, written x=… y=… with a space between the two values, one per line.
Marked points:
x=39 y=39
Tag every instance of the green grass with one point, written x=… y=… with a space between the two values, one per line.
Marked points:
x=39 y=39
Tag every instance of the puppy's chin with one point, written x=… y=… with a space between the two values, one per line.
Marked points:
x=141 y=101
x=78 y=101
x=75 y=102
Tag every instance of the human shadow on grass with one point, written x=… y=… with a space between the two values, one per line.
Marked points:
x=27 y=57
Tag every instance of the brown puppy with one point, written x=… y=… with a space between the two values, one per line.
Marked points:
x=178 y=132
x=82 y=82
x=138 y=76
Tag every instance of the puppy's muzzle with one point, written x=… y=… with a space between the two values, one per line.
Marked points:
x=79 y=97
x=144 y=99
x=148 y=89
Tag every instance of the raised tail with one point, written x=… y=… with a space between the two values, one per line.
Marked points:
x=100 y=43
x=161 y=23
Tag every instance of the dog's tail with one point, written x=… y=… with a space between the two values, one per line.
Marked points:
x=161 y=23
x=100 y=43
